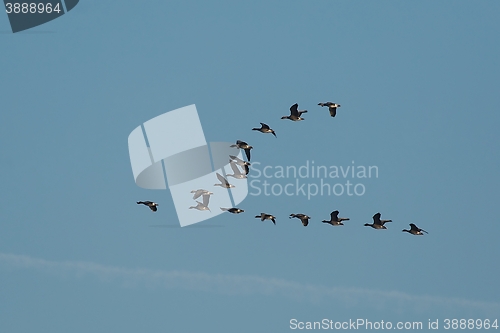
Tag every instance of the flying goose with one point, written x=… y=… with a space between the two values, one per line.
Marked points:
x=335 y=219
x=240 y=162
x=415 y=230
x=264 y=216
x=243 y=145
x=152 y=205
x=232 y=210
x=264 y=128
x=332 y=107
x=223 y=182
x=236 y=172
x=377 y=222
x=198 y=193
x=202 y=205
x=303 y=218
x=295 y=113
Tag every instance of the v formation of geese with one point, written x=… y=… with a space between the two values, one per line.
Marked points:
x=235 y=162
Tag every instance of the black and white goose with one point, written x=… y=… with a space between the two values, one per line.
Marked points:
x=236 y=172
x=243 y=145
x=335 y=219
x=202 y=205
x=264 y=216
x=198 y=193
x=223 y=182
x=240 y=162
x=152 y=205
x=302 y=217
x=232 y=210
x=264 y=128
x=332 y=107
x=415 y=230
x=377 y=222
x=295 y=113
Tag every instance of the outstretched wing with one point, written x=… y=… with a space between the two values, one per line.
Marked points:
x=197 y=194
x=222 y=179
x=206 y=199
x=333 y=111
x=236 y=171
x=376 y=219
x=247 y=152
x=417 y=229
x=294 y=110
x=235 y=158
x=153 y=208
x=334 y=215
x=265 y=126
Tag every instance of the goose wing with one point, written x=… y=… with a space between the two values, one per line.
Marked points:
x=264 y=126
x=206 y=199
x=247 y=152
x=376 y=219
x=415 y=228
x=197 y=194
x=294 y=110
x=333 y=111
x=222 y=179
x=236 y=171
x=334 y=215
x=236 y=159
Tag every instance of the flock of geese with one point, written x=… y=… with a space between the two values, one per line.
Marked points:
x=235 y=162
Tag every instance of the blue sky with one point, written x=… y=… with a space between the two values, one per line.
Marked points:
x=418 y=84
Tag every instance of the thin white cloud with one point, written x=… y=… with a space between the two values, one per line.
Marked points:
x=246 y=285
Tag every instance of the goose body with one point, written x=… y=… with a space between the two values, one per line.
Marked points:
x=415 y=230
x=232 y=210
x=264 y=216
x=202 y=205
x=335 y=219
x=198 y=193
x=223 y=182
x=332 y=107
x=152 y=205
x=295 y=114
x=240 y=162
x=302 y=217
x=377 y=222
x=236 y=172
x=243 y=145
x=264 y=128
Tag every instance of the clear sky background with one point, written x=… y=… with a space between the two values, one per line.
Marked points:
x=419 y=87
